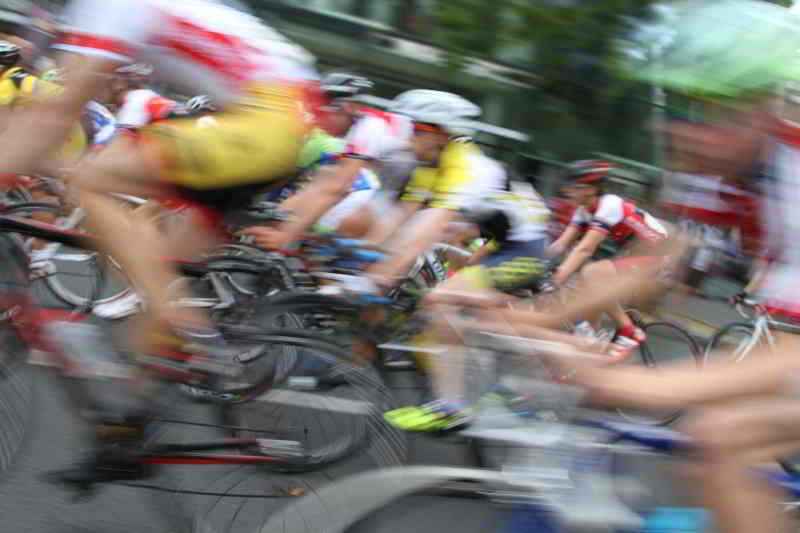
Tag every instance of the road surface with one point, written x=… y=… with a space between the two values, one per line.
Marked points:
x=55 y=438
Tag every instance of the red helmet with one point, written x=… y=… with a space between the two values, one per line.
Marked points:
x=587 y=172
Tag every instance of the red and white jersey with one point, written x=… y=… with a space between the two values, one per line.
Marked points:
x=142 y=107
x=200 y=46
x=377 y=134
x=780 y=185
x=620 y=220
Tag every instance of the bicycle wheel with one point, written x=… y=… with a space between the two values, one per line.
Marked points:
x=85 y=279
x=74 y=277
x=336 y=319
x=732 y=343
x=14 y=279
x=311 y=394
x=375 y=501
x=665 y=343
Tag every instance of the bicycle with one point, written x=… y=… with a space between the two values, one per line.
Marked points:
x=575 y=471
x=272 y=379
x=737 y=340
x=76 y=278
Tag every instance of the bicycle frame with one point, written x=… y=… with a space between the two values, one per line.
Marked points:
x=186 y=453
x=762 y=323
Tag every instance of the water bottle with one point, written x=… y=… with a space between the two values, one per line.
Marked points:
x=677 y=520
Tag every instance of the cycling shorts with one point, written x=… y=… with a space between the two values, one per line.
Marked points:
x=330 y=221
x=515 y=265
x=255 y=141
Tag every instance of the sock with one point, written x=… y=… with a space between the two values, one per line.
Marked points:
x=628 y=331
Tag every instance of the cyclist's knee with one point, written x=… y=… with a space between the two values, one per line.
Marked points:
x=598 y=269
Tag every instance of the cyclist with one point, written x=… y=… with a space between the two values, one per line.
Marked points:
x=136 y=103
x=18 y=87
x=97 y=121
x=259 y=79
x=747 y=411
x=458 y=183
x=600 y=216
x=372 y=136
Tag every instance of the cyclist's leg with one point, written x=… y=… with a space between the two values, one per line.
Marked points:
x=122 y=168
x=446 y=367
x=597 y=274
x=766 y=371
x=517 y=264
x=212 y=160
x=728 y=441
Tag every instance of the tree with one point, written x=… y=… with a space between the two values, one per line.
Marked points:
x=581 y=100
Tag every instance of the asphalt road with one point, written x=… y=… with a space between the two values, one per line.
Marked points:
x=55 y=438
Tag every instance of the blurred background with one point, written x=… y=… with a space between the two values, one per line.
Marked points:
x=548 y=74
x=544 y=71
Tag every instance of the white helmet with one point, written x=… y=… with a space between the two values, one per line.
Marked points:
x=447 y=110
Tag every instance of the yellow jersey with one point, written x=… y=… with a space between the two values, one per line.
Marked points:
x=469 y=181
x=19 y=87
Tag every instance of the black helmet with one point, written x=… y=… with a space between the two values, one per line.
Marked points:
x=587 y=172
x=344 y=84
x=9 y=54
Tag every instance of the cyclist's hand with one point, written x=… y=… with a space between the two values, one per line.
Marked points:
x=267 y=238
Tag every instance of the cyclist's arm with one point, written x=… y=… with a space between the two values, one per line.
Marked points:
x=42 y=126
x=564 y=241
x=321 y=195
x=424 y=236
x=579 y=255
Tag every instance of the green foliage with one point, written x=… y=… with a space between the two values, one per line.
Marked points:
x=582 y=100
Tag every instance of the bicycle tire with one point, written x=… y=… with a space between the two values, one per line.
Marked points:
x=353 y=398
x=726 y=336
x=85 y=268
x=678 y=341
x=99 y=281
x=339 y=506
x=14 y=277
x=336 y=318
x=15 y=386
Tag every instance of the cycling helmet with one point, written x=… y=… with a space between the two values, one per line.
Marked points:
x=199 y=104
x=344 y=84
x=9 y=54
x=727 y=51
x=587 y=172
x=448 y=111
x=135 y=71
